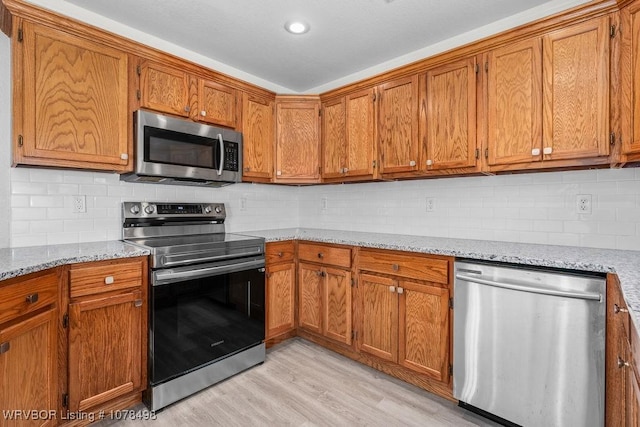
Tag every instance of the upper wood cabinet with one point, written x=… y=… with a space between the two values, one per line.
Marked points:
x=297 y=139
x=514 y=103
x=398 y=126
x=450 y=121
x=630 y=79
x=257 y=138
x=70 y=101
x=177 y=92
x=348 y=137
x=575 y=104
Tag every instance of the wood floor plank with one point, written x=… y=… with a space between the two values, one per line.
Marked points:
x=303 y=384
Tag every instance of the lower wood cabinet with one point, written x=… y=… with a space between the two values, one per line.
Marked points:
x=29 y=348
x=107 y=332
x=280 y=289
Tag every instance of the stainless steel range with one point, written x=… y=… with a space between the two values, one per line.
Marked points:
x=207 y=299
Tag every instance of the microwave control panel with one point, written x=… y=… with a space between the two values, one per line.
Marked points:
x=231 y=156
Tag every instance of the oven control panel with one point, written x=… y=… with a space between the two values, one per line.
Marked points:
x=157 y=210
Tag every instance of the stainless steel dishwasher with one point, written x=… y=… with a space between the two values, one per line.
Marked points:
x=529 y=344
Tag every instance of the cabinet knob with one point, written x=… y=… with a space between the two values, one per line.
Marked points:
x=429 y=162
x=108 y=280
x=137 y=303
x=280 y=254
x=617 y=309
x=622 y=363
x=33 y=298
x=412 y=163
x=247 y=169
x=278 y=173
x=4 y=347
x=535 y=152
x=395 y=267
x=187 y=109
x=392 y=288
x=547 y=150
x=203 y=113
x=345 y=170
x=320 y=255
x=124 y=156
x=400 y=290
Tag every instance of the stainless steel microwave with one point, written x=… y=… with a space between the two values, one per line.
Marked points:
x=170 y=150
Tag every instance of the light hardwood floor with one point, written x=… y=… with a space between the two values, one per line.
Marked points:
x=303 y=384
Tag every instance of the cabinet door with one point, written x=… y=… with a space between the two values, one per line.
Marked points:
x=75 y=102
x=216 y=104
x=310 y=297
x=28 y=363
x=399 y=125
x=334 y=141
x=361 y=125
x=632 y=396
x=514 y=103
x=576 y=91
x=105 y=353
x=630 y=72
x=337 y=305
x=451 y=116
x=257 y=138
x=280 y=298
x=164 y=89
x=298 y=141
x=378 y=317
x=424 y=329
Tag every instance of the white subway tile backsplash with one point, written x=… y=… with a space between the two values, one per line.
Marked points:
x=46 y=202
x=46 y=175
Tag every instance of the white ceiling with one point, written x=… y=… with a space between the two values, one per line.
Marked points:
x=346 y=36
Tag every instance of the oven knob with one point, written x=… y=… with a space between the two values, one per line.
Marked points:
x=135 y=209
x=149 y=209
x=218 y=209
x=207 y=209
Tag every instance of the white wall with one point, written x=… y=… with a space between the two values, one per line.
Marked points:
x=5 y=138
x=531 y=208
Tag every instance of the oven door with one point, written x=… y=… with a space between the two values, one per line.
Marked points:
x=204 y=313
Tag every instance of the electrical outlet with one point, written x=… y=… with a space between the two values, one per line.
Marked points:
x=324 y=204
x=431 y=204
x=80 y=204
x=243 y=203
x=583 y=203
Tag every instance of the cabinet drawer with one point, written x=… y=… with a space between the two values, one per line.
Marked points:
x=27 y=295
x=413 y=266
x=93 y=278
x=279 y=252
x=331 y=255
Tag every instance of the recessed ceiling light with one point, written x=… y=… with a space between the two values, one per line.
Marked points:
x=296 y=27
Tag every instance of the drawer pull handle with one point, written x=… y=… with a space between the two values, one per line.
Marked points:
x=108 y=280
x=137 y=303
x=622 y=363
x=280 y=254
x=4 y=347
x=392 y=288
x=395 y=267
x=320 y=255
x=33 y=298
x=617 y=309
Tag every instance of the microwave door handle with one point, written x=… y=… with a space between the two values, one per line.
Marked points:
x=221 y=143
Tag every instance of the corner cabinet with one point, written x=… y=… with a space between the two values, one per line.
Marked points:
x=29 y=346
x=404 y=306
x=324 y=290
x=297 y=139
x=281 y=290
x=107 y=332
x=70 y=101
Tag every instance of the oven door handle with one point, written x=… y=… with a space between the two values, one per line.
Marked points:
x=164 y=277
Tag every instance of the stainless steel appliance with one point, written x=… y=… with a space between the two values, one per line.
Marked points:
x=207 y=299
x=170 y=150
x=529 y=344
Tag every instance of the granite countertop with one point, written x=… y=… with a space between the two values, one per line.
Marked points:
x=626 y=264
x=20 y=261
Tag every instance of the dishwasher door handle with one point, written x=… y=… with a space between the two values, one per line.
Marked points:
x=591 y=296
